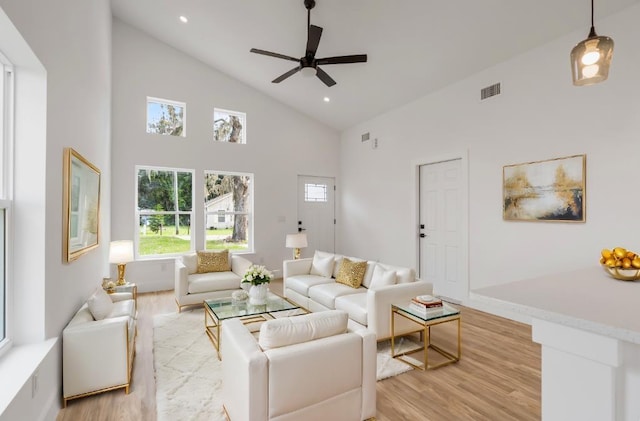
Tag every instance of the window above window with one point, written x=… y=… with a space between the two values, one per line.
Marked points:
x=166 y=117
x=229 y=126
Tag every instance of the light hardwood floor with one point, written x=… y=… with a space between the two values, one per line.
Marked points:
x=498 y=377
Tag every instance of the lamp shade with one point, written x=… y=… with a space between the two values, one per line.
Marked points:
x=121 y=251
x=591 y=59
x=296 y=241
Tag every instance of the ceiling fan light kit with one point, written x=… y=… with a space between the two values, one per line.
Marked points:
x=591 y=58
x=308 y=64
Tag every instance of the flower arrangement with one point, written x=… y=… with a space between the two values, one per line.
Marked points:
x=257 y=275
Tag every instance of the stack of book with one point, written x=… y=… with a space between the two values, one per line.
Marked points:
x=426 y=304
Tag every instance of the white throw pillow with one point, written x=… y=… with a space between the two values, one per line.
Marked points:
x=322 y=266
x=294 y=330
x=100 y=304
x=382 y=277
x=191 y=262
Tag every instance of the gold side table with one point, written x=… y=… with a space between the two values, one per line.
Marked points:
x=446 y=314
x=128 y=287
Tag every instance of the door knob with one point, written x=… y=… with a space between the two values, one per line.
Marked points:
x=301 y=229
x=422 y=235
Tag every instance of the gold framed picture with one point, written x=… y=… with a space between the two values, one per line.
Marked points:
x=81 y=205
x=550 y=190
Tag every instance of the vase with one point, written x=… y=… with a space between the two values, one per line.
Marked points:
x=258 y=294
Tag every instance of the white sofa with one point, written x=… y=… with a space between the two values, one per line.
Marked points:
x=301 y=368
x=193 y=288
x=368 y=307
x=98 y=351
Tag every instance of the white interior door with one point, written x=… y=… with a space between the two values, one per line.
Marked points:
x=441 y=256
x=316 y=213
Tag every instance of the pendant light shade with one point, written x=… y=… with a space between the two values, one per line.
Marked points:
x=591 y=58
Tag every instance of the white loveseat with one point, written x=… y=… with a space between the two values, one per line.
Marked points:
x=193 y=288
x=368 y=306
x=301 y=368
x=98 y=346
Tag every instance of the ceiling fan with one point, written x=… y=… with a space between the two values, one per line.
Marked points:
x=309 y=63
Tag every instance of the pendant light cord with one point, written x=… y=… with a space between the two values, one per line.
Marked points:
x=592 y=32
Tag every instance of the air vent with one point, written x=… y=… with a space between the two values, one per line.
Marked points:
x=365 y=137
x=490 y=91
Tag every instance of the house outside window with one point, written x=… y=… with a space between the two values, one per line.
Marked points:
x=166 y=117
x=164 y=211
x=228 y=211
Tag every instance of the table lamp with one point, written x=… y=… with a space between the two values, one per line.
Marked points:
x=121 y=253
x=296 y=242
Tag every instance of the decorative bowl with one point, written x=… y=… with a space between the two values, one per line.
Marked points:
x=239 y=295
x=630 y=274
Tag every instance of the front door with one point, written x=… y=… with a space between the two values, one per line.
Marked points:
x=316 y=213
x=440 y=229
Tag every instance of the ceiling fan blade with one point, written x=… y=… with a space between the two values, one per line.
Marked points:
x=286 y=75
x=356 y=58
x=323 y=76
x=313 y=40
x=270 y=54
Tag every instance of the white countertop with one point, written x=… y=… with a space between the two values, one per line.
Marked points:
x=587 y=299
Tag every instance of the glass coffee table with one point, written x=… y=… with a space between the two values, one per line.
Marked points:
x=424 y=322
x=219 y=309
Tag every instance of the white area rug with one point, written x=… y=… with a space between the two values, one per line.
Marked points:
x=189 y=375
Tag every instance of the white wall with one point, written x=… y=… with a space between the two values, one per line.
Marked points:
x=281 y=143
x=72 y=39
x=539 y=115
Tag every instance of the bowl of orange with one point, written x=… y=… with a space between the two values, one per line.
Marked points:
x=621 y=264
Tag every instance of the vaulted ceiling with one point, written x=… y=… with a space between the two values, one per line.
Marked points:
x=414 y=47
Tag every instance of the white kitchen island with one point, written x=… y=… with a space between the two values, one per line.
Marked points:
x=589 y=327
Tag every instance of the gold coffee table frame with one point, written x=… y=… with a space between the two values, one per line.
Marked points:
x=449 y=314
x=247 y=313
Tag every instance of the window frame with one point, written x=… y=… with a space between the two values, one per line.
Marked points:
x=7 y=108
x=243 y=119
x=167 y=102
x=177 y=212
x=216 y=214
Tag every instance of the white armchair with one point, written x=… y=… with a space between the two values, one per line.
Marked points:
x=301 y=368
x=192 y=288
x=97 y=355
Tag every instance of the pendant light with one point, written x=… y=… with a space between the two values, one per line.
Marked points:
x=591 y=58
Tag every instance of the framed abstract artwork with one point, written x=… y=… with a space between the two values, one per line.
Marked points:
x=81 y=205
x=550 y=190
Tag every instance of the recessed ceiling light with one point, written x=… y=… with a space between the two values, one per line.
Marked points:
x=184 y=19
x=327 y=99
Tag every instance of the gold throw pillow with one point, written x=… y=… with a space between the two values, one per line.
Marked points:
x=351 y=273
x=213 y=261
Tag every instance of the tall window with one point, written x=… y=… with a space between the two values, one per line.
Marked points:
x=229 y=126
x=6 y=168
x=166 y=117
x=164 y=211
x=228 y=210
